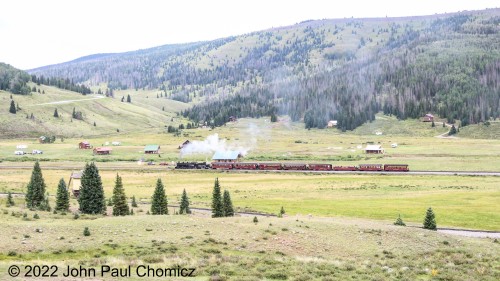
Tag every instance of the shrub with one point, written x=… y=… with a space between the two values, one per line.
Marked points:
x=86 y=232
x=36 y=216
x=399 y=221
x=255 y=220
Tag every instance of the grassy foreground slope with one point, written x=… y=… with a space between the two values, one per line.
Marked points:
x=293 y=248
x=109 y=114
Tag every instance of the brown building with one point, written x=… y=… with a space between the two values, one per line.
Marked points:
x=427 y=118
x=75 y=182
x=374 y=149
x=102 y=150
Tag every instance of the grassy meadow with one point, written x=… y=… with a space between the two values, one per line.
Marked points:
x=290 y=248
x=459 y=201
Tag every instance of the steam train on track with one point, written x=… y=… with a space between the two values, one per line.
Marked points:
x=291 y=166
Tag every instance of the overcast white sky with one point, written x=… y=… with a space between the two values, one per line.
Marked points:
x=35 y=33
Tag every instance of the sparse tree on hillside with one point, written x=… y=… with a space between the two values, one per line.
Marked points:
x=274 y=118
x=432 y=124
x=227 y=204
x=120 y=206
x=134 y=202
x=10 y=200
x=91 y=198
x=159 y=201
x=282 y=211
x=56 y=114
x=184 y=207
x=430 y=220
x=35 y=194
x=123 y=98
x=12 y=108
x=129 y=100
x=62 y=198
x=217 y=207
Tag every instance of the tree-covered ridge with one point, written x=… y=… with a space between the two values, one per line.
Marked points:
x=13 y=80
x=317 y=71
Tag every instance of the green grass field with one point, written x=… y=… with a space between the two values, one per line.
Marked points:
x=293 y=248
x=459 y=201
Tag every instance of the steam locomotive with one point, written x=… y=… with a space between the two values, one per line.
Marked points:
x=291 y=166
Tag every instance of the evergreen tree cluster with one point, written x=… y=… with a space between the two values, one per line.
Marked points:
x=222 y=205
x=61 y=83
x=14 y=80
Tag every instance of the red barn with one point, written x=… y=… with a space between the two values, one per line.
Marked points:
x=84 y=145
x=102 y=150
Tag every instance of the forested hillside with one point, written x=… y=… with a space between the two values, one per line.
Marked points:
x=315 y=71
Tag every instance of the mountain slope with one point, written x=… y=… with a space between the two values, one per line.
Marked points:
x=111 y=116
x=316 y=71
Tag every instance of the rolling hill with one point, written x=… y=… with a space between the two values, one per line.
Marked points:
x=315 y=71
x=36 y=117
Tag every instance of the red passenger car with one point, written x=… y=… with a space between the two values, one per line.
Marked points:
x=245 y=166
x=345 y=168
x=295 y=167
x=270 y=166
x=371 y=167
x=396 y=167
x=222 y=165
x=320 y=167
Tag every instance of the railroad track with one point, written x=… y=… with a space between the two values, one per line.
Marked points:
x=165 y=168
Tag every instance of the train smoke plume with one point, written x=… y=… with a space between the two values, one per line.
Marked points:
x=210 y=145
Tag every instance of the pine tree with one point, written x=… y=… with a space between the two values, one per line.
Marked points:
x=62 y=198
x=134 y=202
x=94 y=124
x=399 y=221
x=159 y=202
x=430 y=220
x=35 y=194
x=10 y=200
x=129 y=100
x=274 y=118
x=432 y=124
x=120 y=206
x=217 y=207
x=74 y=113
x=282 y=211
x=91 y=198
x=255 y=220
x=12 y=108
x=452 y=131
x=56 y=114
x=227 y=204
x=184 y=207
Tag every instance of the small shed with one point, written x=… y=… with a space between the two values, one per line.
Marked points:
x=374 y=149
x=102 y=150
x=75 y=183
x=332 y=123
x=226 y=156
x=427 y=118
x=184 y=144
x=84 y=145
x=152 y=149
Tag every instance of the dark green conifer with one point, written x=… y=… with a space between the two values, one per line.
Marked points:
x=227 y=204
x=91 y=198
x=399 y=221
x=159 y=202
x=10 y=200
x=62 y=198
x=35 y=194
x=134 y=202
x=430 y=220
x=56 y=114
x=217 y=207
x=12 y=108
x=184 y=207
x=120 y=205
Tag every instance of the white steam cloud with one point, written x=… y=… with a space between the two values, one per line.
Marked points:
x=212 y=144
